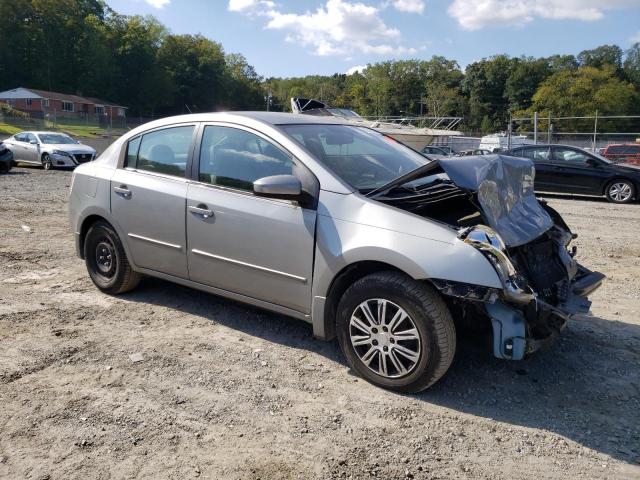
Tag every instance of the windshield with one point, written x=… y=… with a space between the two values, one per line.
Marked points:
x=55 y=138
x=362 y=157
x=343 y=112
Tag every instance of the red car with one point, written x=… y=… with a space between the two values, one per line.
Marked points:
x=623 y=153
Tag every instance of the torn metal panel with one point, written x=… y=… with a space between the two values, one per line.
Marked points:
x=504 y=187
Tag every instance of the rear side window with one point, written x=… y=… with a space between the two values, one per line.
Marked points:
x=536 y=154
x=236 y=158
x=163 y=151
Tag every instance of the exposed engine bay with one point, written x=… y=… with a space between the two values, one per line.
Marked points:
x=491 y=202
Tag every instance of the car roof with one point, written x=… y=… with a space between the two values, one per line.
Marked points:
x=38 y=132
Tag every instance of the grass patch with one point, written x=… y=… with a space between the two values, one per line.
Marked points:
x=6 y=129
x=86 y=131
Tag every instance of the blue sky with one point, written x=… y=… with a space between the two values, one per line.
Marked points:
x=302 y=37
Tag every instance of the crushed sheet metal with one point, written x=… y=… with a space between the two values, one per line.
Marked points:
x=504 y=187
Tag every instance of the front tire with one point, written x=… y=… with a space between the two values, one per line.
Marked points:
x=47 y=164
x=620 y=191
x=107 y=262
x=396 y=332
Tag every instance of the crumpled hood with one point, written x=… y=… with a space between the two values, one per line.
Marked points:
x=504 y=188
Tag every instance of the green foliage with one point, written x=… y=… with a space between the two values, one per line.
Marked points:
x=84 y=47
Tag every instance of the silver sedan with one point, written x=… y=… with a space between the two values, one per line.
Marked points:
x=337 y=225
x=48 y=149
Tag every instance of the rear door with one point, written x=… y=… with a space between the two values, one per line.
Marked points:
x=259 y=247
x=18 y=146
x=148 y=196
x=575 y=173
x=541 y=156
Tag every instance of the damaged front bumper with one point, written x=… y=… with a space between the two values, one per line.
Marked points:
x=519 y=330
x=542 y=287
x=522 y=327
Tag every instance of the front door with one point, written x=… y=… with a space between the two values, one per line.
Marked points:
x=32 y=148
x=574 y=171
x=148 y=198
x=242 y=243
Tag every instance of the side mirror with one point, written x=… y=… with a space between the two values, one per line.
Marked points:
x=33 y=142
x=278 y=186
x=592 y=162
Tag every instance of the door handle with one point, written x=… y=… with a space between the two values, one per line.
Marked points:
x=201 y=210
x=122 y=190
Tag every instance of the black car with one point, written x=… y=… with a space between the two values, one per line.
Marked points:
x=6 y=159
x=567 y=169
x=432 y=150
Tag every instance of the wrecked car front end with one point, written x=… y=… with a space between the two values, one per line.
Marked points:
x=490 y=201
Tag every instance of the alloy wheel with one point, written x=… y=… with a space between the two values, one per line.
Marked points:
x=46 y=162
x=385 y=338
x=620 y=191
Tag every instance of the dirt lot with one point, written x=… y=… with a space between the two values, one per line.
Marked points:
x=227 y=391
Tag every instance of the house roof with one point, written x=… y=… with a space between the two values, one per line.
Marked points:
x=22 y=92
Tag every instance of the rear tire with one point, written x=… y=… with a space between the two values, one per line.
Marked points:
x=620 y=191
x=46 y=162
x=106 y=260
x=409 y=355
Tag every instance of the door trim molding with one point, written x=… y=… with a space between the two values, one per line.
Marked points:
x=156 y=242
x=249 y=265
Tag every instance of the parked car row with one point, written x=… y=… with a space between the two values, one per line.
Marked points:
x=573 y=170
x=567 y=169
x=48 y=149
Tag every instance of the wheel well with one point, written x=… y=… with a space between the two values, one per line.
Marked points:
x=86 y=224
x=343 y=280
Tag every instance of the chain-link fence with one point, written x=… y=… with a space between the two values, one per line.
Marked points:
x=589 y=132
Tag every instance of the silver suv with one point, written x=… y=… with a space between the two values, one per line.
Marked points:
x=337 y=225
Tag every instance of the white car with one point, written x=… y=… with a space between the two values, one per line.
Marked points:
x=49 y=149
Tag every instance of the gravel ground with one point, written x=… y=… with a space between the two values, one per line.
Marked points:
x=227 y=391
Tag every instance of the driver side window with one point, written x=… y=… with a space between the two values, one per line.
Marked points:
x=235 y=158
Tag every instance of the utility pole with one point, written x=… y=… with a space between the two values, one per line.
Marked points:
x=269 y=100
x=595 y=132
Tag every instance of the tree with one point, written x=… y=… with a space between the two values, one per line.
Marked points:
x=585 y=91
x=632 y=65
x=601 y=56
x=195 y=66
x=485 y=84
x=523 y=82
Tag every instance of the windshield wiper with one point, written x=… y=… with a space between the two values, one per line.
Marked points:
x=407 y=177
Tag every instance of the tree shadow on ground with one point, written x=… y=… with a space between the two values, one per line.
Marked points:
x=586 y=387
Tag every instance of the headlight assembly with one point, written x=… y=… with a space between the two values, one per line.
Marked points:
x=61 y=153
x=489 y=243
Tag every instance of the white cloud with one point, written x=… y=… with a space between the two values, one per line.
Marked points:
x=411 y=6
x=249 y=5
x=340 y=27
x=356 y=69
x=635 y=38
x=477 y=14
x=158 y=3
